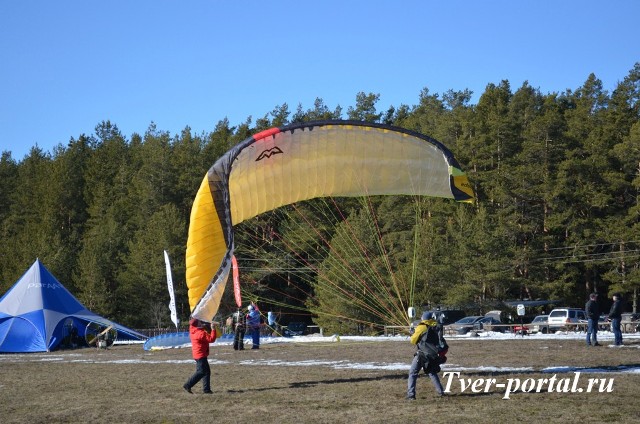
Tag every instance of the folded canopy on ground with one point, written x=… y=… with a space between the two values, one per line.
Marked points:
x=39 y=314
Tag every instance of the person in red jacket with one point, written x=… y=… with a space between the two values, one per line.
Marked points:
x=201 y=334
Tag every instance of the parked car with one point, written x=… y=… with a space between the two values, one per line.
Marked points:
x=448 y=316
x=489 y=324
x=603 y=323
x=464 y=325
x=295 y=329
x=539 y=324
x=504 y=317
x=565 y=318
x=630 y=322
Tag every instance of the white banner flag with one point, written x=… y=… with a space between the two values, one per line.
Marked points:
x=172 y=302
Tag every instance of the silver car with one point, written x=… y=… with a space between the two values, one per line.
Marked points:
x=539 y=324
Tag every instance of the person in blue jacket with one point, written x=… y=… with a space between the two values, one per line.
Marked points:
x=253 y=325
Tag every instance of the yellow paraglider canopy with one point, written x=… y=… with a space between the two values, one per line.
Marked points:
x=281 y=166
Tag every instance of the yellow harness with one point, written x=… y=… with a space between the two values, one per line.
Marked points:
x=421 y=329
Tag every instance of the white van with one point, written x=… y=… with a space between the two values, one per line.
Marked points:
x=560 y=317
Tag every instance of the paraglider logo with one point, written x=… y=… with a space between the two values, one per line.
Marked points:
x=266 y=154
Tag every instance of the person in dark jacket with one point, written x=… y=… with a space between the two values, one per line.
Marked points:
x=592 y=310
x=615 y=315
x=201 y=334
x=430 y=354
x=239 y=328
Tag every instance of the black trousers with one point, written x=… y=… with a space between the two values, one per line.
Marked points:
x=238 y=339
x=203 y=372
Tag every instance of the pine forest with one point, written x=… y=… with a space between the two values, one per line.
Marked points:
x=556 y=214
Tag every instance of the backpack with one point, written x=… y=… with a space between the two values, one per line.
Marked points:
x=432 y=347
x=422 y=329
x=430 y=341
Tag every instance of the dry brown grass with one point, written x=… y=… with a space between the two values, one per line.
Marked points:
x=97 y=386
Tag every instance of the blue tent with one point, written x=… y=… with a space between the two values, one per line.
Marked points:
x=38 y=313
x=168 y=340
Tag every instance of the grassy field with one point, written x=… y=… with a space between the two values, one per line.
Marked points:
x=323 y=382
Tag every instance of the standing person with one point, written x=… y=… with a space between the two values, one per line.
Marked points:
x=592 y=310
x=430 y=354
x=273 y=323
x=615 y=315
x=253 y=324
x=228 y=325
x=201 y=334
x=239 y=328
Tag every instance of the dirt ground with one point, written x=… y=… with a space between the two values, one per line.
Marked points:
x=325 y=382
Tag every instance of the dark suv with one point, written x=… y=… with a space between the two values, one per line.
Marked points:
x=295 y=329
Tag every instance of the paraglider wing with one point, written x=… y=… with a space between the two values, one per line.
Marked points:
x=281 y=166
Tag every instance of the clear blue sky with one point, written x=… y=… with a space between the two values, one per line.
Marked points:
x=67 y=65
